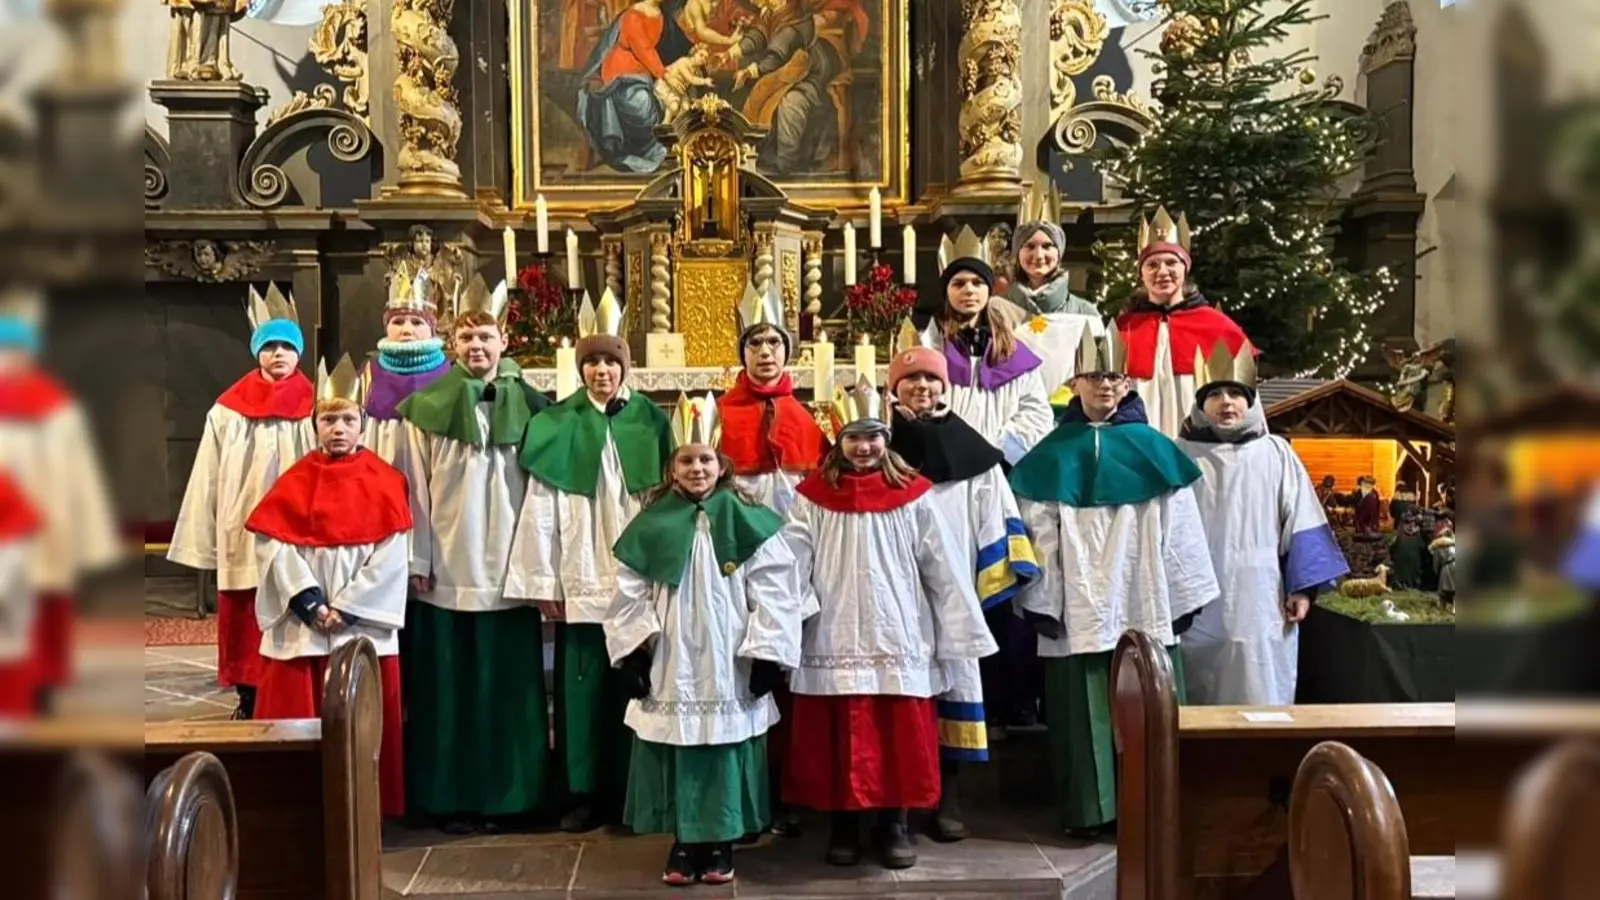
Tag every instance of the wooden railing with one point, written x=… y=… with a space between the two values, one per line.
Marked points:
x=194 y=832
x=1347 y=838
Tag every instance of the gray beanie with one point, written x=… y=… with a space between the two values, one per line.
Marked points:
x=1029 y=229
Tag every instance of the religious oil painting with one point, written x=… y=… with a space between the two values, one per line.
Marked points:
x=592 y=80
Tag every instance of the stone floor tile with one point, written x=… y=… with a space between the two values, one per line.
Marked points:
x=529 y=870
x=978 y=864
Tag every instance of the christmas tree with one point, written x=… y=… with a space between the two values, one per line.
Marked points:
x=1252 y=150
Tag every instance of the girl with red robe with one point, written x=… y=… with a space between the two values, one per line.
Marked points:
x=19 y=526
x=333 y=540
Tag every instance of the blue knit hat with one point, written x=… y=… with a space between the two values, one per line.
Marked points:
x=277 y=330
x=19 y=333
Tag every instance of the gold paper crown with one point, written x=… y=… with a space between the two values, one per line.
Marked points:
x=1221 y=365
x=1042 y=203
x=603 y=319
x=697 y=421
x=478 y=298
x=1160 y=228
x=275 y=304
x=25 y=303
x=761 y=309
x=343 y=383
x=857 y=404
x=412 y=293
x=1105 y=354
x=966 y=243
x=909 y=338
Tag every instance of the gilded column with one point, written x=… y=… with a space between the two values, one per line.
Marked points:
x=990 y=123
x=424 y=97
x=611 y=264
x=660 y=284
x=764 y=262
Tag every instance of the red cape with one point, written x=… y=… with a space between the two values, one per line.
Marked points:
x=18 y=518
x=867 y=492
x=792 y=442
x=31 y=395
x=1188 y=330
x=323 y=501
x=254 y=397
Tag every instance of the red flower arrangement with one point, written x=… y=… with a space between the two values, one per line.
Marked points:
x=876 y=306
x=540 y=316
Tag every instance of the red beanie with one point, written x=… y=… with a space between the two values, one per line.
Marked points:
x=1155 y=247
x=918 y=360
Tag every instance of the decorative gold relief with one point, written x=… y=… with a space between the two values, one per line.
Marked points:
x=430 y=123
x=1077 y=34
x=990 y=122
x=339 y=45
x=635 y=289
x=708 y=292
x=198 y=40
x=207 y=260
x=789 y=286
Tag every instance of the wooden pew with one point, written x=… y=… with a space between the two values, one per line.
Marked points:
x=1552 y=836
x=193 y=830
x=1144 y=720
x=1347 y=839
x=305 y=791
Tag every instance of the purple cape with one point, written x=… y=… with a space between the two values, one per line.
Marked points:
x=990 y=377
x=385 y=389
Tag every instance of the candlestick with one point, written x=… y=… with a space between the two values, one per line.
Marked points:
x=509 y=239
x=822 y=362
x=875 y=224
x=849 y=253
x=566 y=370
x=866 y=361
x=908 y=242
x=572 y=259
x=541 y=212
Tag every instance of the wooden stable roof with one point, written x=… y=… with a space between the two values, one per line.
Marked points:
x=1345 y=409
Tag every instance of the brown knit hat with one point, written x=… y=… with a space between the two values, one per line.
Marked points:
x=918 y=360
x=608 y=344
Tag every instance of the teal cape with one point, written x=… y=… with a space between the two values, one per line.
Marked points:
x=1120 y=462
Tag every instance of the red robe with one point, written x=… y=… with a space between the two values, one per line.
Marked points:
x=19 y=678
x=325 y=501
x=1193 y=324
x=764 y=428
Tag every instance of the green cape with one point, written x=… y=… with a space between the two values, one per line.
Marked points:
x=656 y=543
x=446 y=407
x=1082 y=465
x=563 y=446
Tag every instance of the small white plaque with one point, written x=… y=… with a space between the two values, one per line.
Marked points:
x=663 y=350
x=1267 y=717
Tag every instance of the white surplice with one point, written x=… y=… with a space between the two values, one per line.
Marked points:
x=1168 y=396
x=706 y=632
x=895 y=600
x=367 y=581
x=1106 y=569
x=774 y=490
x=1056 y=344
x=563 y=545
x=53 y=462
x=385 y=437
x=465 y=500
x=238 y=460
x=18 y=600
x=1264 y=525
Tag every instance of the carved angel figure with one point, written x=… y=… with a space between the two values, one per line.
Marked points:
x=203 y=259
x=1426 y=380
x=198 y=42
x=419 y=255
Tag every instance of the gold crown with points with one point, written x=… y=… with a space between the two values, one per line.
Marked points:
x=274 y=304
x=757 y=308
x=966 y=243
x=343 y=383
x=861 y=403
x=697 y=421
x=25 y=303
x=412 y=292
x=479 y=298
x=1042 y=203
x=909 y=338
x=1221 y=365
x=1161 y=229
x=606 y=318
x=1102 y=354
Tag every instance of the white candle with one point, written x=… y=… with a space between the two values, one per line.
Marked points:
x=572 y=259
x=876 y=222
x=509 y=239
x=566 y=370
x=908 y=241
x=849 y=253
x=541 y=213
x=866 y=362
x=822 y=359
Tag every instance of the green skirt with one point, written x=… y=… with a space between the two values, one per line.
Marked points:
x=700 y=795
x=1083 y=758
x=477 y=730
x=592 y=743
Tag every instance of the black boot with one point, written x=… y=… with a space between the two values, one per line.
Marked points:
x=680 y=865
x=945 y=825
x=584 y=817
x=894 y=840
x=844 y=839
x=717 y=867
x=247 y=701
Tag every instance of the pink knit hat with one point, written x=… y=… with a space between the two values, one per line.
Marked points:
x=918 y=359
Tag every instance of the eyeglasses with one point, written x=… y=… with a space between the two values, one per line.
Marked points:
x=1102 y=377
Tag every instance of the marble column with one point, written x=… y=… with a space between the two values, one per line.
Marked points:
x=425 y=98
x=990 y=124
